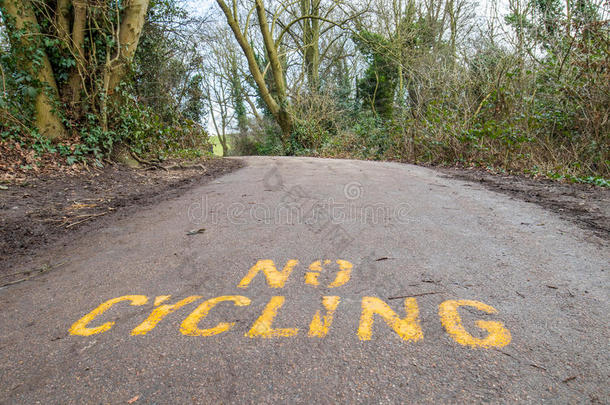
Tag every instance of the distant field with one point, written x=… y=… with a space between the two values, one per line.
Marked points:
x=217 y=146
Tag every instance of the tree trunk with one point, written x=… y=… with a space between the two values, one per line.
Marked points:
x=311 y=39
x=283 y=116
x=272 y=53
x=78 y=42
x=62 y=20
x=279 y=107
x=284 y=119
x=133 y=16
x=223 y=142
x=21 y=13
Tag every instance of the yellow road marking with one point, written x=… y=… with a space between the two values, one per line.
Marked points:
x=407 y=328
x=275 y=278
x=311 y=277
x=345 y=271
x=498 y=336
x=80 y=327
x=319 y=327
x=343 y=275
x=161 y=299
x=161 y=312
x=190 y=326
x=263 y=326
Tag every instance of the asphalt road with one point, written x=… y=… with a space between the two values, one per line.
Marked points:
x=298 y=280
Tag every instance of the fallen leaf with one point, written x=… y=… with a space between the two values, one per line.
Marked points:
x=196 y=231
x=134 y=399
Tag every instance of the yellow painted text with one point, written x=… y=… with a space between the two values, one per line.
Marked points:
x=343 y=275
x=190 y=326
x=407 y=328
x=263 y=326
x=498 y=335
x=80 y=327
x=161 y=312
x=275 y=278
x=320 y=324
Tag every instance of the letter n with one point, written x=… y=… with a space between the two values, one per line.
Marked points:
x=407 y=328
x=275 y=278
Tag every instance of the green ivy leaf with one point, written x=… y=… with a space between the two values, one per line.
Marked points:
x=31 y=91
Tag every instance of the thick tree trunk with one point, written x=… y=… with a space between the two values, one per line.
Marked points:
x=132 y=22
x=62 y=20
x=21 y=14
x=133 y=18
x=284 y=119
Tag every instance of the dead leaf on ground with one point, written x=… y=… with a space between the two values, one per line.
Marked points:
x=195 y=231
x=134 y=399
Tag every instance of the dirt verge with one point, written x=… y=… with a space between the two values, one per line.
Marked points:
x=585 y=205
x=44 y=208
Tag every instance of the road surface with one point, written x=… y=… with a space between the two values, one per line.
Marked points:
x=300 y=280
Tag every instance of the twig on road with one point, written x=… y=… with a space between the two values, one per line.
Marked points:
x=87 y=219
x=30 y=273
x=416 y=295
x=537 y=366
